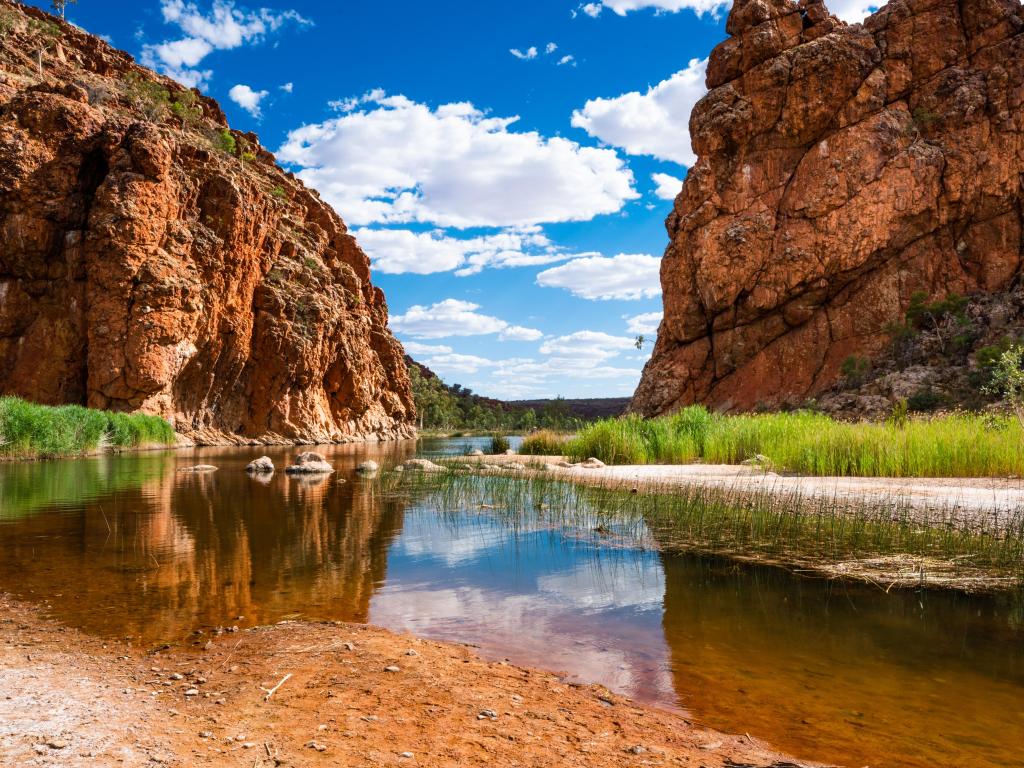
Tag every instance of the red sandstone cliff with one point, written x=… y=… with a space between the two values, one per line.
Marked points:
x=145 y=264
x=842 y=168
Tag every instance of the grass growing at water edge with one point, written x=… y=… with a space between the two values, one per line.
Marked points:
x=790 y=529
x=29 y=430
x=959 y=445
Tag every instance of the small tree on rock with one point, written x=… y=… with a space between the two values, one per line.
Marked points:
x=61 y=5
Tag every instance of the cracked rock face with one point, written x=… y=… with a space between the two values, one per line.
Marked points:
x=145 y=266
x=841 y=169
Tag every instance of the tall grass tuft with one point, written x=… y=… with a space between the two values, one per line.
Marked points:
x=543 y=442
x=958 y=445
x=29 y=430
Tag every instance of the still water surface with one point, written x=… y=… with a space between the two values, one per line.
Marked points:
x=127 y=547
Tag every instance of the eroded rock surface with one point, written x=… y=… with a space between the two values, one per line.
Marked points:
x=841 y=169
x=146 y=264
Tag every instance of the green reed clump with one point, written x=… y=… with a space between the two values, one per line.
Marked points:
x=958 y=445
x=544 y=442
x=30 y=430
x=785 y=528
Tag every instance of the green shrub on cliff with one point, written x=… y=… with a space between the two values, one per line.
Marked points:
x=30 y=430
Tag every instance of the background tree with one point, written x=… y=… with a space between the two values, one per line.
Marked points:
x=1008 y=380
x=61 y=5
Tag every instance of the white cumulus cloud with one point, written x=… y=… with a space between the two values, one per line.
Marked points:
x=223 y=27
x=626 y=276
x=402 y=251
x=527 y=55
x=853 y=11
x=390 y=159
x=416 y=348
x=645 y=323
x=667 y=187
x=622 y=7
x=653 y=123
x=247 y=98
x=453 y=317
x=587 y=345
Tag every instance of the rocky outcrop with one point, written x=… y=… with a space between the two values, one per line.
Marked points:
x=153 y=260
x=841 y=169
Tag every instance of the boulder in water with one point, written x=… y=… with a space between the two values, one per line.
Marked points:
x=262 y=466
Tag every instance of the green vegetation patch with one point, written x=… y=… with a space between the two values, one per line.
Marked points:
x=29 y=430
x=958 y=445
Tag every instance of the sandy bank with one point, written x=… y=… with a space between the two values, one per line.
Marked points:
x=992 y=496
x=346 y=695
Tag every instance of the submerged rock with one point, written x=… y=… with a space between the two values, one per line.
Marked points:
x=423 y=465
x=368 y=468
x=199 y=468
x=262 y=466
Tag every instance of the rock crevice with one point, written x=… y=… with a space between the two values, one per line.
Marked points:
x=841 y=169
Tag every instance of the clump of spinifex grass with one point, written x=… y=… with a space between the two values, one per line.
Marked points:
x=29 y=430
x=544 y=442
x=767 y=526
x=958 y=445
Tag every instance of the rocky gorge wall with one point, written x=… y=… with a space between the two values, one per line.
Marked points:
x=841 y=169
x=153 y=260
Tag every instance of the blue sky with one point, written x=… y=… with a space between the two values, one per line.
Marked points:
x=507 y=166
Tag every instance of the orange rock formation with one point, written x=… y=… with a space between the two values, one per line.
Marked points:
x=153 y=260
x=841 y=169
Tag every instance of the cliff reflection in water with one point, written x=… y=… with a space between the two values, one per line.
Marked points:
x=847 y=673
x=152 y=553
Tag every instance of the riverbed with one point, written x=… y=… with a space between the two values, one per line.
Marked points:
x=128 y=547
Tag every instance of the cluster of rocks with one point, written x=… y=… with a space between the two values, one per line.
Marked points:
x=306 y=463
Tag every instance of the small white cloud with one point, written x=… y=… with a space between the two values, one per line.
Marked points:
x=224 y=27
x=415 y=348
x=247 y=98
x=853 y=11
x=626 y=277
x=446 y=364
x=519 y=333
x=667 y=187
x=389 y=159
x=401 y=251
x=587 y=345
x=550 y=48
x=652 y=123
x=287 y=87
x=527 y=55
x=622 y=7
x=646 y=323
x=452 y=317
x=570 y=60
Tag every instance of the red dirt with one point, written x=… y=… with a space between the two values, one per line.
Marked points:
x=73 y=700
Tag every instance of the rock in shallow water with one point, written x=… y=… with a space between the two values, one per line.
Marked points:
x=199 y=468
x=262 y=466
x=310 y=463
x=368 y=468
x=423 y=465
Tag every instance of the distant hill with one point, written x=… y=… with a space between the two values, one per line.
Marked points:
x=442 y=405
x=587 y=409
